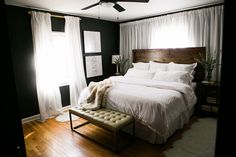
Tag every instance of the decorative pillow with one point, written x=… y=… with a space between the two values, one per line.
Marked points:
x=182 y=67
x=155 y=66
x=141 y=66
x=136 y=73
x=173 y=76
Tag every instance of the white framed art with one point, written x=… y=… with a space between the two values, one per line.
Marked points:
x=93 y=66
x=92 y=42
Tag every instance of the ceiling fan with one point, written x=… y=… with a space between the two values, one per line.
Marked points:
x=114 y=4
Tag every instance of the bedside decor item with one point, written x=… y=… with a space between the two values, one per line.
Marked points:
x=120 y=63
x=116 y=60
x=208 y=63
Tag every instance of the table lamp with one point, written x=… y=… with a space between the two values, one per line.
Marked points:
x=115 y=60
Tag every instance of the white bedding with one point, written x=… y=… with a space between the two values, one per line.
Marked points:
x=155 y=104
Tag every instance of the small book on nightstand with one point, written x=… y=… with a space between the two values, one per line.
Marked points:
x=208 y=82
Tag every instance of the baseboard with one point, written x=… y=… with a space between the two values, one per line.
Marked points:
x=31 y=118
x=37 y=117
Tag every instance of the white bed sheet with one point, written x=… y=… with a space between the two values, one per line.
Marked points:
x=156 y=105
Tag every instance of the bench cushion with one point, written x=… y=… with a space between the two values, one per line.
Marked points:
x=106 y=118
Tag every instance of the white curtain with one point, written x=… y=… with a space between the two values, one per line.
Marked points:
x=77 y=76
x=202 y=27
x=49 y=97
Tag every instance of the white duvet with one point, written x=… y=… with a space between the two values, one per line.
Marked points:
x=155 y=104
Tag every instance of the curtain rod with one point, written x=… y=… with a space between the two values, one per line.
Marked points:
x=52 y=15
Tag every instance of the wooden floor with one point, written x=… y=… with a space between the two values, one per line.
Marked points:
x=55 y=139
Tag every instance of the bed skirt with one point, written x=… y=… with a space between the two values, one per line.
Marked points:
x=144 y=133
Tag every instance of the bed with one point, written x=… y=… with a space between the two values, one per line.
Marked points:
x=160 y=107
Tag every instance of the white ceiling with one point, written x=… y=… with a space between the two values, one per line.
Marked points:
x=133 y=10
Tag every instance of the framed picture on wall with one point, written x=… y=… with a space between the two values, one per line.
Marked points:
x=93 y=66
x=92 y=42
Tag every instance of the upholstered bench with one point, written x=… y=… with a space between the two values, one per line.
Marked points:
x=105 y=118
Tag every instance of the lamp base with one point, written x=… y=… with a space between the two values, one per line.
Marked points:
x=117 y=70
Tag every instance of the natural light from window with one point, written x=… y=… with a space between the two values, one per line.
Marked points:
x=171 y=36
x=60 y=58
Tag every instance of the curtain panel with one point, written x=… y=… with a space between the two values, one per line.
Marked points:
x=49 y=97
x=77 y=79
x=196 y=28
x=46 y=64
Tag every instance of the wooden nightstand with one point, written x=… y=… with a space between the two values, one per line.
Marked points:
x=208 y=98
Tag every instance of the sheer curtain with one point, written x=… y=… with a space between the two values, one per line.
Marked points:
x=202 y=27
x=49 y=97
x=77 y=76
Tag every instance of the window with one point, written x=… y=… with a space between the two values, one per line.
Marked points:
x=60 y=58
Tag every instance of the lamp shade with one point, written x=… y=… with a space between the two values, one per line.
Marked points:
x=114 y=58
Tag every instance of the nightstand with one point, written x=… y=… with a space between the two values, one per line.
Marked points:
x=208 y=98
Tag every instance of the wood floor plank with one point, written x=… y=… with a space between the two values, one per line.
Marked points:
x=55 y=139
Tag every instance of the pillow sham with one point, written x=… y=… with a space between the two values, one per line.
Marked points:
x=173 y=76
x=155 y=66
x=182 y=67
x=141 y=66
x=136 y=73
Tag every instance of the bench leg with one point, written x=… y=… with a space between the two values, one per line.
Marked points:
x=115 y=140
x=133 y=130
x=71 y=126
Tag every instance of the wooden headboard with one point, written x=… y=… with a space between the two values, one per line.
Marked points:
x=176 y=55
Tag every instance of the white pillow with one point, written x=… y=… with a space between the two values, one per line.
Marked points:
x=182 y=67
x=173 y=76
x=136 y=73
x=155 y=66
x=141 y=66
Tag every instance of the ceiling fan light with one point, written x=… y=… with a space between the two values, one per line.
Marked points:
x=107 y=4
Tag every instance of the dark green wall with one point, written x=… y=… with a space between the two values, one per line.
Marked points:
x=109 y=32
x=19 y=27
x=21 y=44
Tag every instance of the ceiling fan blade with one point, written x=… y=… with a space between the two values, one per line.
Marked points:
x=118 y=7
x=141 y=1
x=90 y=6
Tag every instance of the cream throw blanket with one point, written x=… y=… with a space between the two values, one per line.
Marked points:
x=97 y=94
